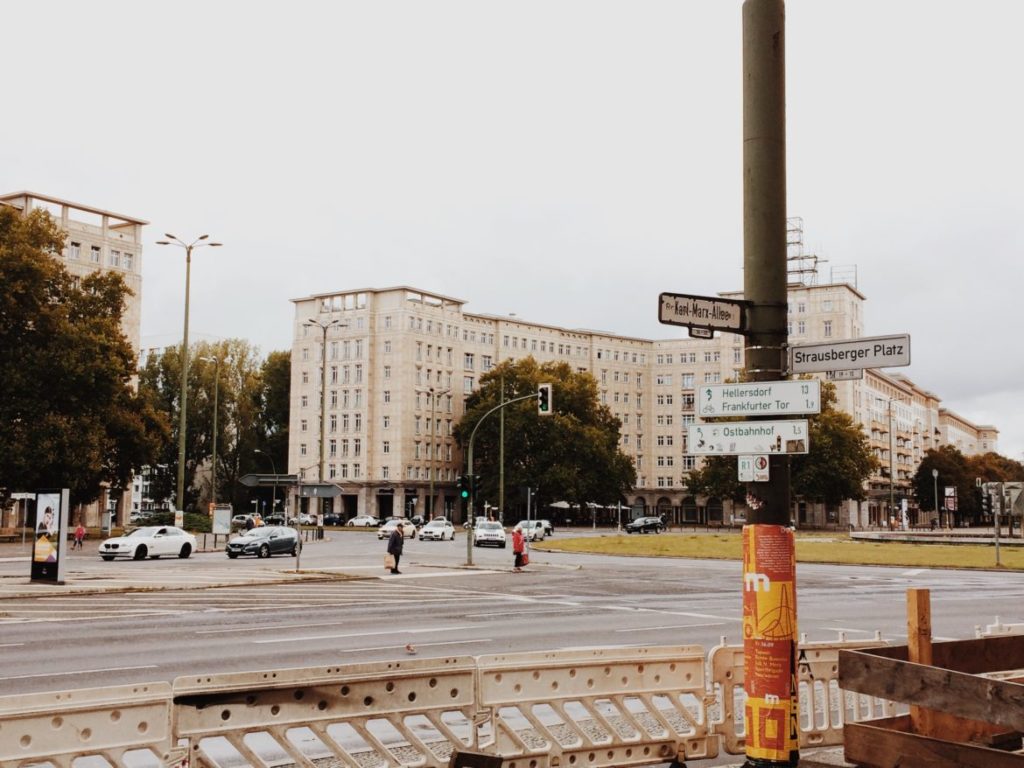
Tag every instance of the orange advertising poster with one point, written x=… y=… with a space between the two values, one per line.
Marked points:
x=770 y=642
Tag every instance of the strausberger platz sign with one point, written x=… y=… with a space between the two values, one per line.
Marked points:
x=867 y=352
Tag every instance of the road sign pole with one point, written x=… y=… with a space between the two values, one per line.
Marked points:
x=769 y=556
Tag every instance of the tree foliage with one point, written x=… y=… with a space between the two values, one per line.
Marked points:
x=249 y=415
x=571 y=455
x=960 y=472
x=69 y=415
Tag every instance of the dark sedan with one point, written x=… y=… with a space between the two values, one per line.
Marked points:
x=265 y=541
x=645 y=525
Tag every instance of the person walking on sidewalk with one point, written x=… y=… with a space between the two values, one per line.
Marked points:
x=79 y=536
x=518 y=547
x=395 y=543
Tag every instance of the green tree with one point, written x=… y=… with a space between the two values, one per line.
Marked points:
x=717 y=479
x=839 y=460
x=954 y=471
x=242 y=421
x=994 y=468
x=571 y=455
x=69 y=415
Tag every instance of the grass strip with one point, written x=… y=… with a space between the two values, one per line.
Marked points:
x=811 y=549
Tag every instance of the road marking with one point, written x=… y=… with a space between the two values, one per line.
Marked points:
x=850 y=629
x=357 y=634
x=79 y=672
x=418 y=645
x=517 y=613
x=11 y=645
x=672 y=626
x=914 y=572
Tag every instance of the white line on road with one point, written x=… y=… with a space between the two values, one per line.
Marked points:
x=672 y=626
x=358 y=634
x=418 y=645
x=11 y=645
x=79 y=672
x=518 y=613
x=914 y=572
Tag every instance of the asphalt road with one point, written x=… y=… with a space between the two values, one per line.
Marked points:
x=54 y=642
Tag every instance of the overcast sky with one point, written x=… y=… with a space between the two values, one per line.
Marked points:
x=565 y=161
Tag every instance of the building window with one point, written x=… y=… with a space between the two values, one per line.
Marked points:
x=332 y=448
x=302 y=449
x=333 y=422
x=467 y=384
x=75 y=251
x=357 y=447
x=94 y=254
x=801 y=328
x=387 y=371
x=303 y=425
x=386 y=422
x=387 y=395
x=305 y=401
x=827 y=327
x=356 y=471
x=686 y=381
x=467 y=361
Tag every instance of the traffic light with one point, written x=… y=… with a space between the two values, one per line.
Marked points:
x=544 y=399
x=462 y=483
x=986 y=504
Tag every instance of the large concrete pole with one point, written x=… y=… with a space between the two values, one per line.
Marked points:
x=769 y=597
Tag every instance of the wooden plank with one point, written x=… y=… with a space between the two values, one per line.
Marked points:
x=919 y=651
x=969 y=696
x=976 y=656
x=871 y=745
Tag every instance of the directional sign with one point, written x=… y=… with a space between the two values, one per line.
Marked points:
x=851 y=375
x=867 y=352
x=743 y=437
x=761 y=398
x=702 y=312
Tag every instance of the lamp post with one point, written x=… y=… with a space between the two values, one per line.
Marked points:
x=199 y=242
x=273 y=466
x=323 y=326
x=935 y=488
x=434 y=394
x=216 y=387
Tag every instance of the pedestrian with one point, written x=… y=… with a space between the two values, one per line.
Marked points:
x=518 y=548
x=249 y=523
x=395 y=543
x=79 y=536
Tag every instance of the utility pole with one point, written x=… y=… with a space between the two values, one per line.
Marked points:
x=769 y=554
x=501 y=453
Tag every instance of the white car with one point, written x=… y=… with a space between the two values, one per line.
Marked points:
x=533 y=530
x=151 y=541
x=408 y=529
x=303 y=519
x=438 y=529
x=489 y=533
x=364 y=521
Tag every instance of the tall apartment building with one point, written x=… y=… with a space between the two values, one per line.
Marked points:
x=97 y=240
x=385 y=437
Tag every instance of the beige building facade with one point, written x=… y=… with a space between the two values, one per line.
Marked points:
x=97 y=240
x=386 y=435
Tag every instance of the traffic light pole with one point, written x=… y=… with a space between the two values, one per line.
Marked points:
x=469 y=472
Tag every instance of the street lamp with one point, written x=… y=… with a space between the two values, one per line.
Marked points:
x=935 y=488
x=323 y=387
x=434 y=394
x=216 y=387
x=273 y=466
x=199 y=242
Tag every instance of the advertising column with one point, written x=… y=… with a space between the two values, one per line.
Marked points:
x=49 y=550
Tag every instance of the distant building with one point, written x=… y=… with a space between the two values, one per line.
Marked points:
x=384 y=439
x=97 y=240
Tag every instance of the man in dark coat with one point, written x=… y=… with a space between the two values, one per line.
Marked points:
x=395 y=543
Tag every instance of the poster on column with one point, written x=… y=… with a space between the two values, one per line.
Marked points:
x=770 y=642
x=49 y=550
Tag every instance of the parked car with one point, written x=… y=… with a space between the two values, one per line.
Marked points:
x=302 y=519
x=549 y=529
x=533 y=530
x=408 y=529
x=645 y=525
x=334 y=520
x=274 y=519
x=151 y=541
x=487 y=534
x=363 y=521
x=238 y=521
x=265 y=541
x=438 y=529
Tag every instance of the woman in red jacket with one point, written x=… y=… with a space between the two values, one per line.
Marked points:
x=518 y=547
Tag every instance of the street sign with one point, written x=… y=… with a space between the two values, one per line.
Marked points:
x=255 y=479
x=867 y=352
x=705 y=312
x=852 y=375
x=761 y=398
x=701 y=333
x=753 y=469
x=748 y=437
